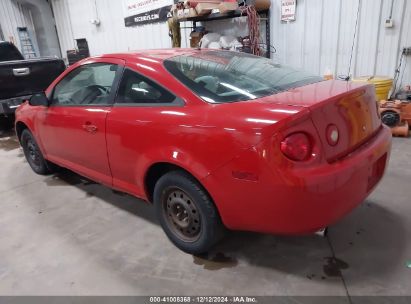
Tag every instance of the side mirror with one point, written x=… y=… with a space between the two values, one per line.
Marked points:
x=39 y=99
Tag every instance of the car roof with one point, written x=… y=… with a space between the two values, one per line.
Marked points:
x=154 y=54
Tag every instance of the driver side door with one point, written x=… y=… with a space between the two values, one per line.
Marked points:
x=73 y=127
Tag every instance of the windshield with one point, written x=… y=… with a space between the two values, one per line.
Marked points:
x=222 y=76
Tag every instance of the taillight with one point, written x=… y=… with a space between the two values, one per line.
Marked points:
x=297 y=146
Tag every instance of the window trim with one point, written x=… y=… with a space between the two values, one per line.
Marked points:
x=177 y=102
x=113 y=91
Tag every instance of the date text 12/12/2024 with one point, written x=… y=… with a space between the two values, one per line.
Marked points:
x=204 y=299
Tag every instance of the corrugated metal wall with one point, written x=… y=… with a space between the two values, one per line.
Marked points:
x=321 y=38
x=73 y=22
x=12 y=16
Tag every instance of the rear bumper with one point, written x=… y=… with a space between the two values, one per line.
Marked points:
x=297 y=201
x=9 y=106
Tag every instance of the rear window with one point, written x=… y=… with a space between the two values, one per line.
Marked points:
x=8 y=52
x=223 y=76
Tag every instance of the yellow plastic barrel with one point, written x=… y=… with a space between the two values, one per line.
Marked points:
x=382 y=85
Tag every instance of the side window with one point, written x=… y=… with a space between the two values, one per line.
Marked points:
x=136 y=89
x=87 y=85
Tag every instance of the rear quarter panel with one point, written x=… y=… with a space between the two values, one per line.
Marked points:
x=198 y=136
x=138 y=137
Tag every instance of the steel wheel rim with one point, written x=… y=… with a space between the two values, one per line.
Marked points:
x=181 y=215
x=33 y=153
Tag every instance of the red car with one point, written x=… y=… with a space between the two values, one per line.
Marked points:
x=215 y=139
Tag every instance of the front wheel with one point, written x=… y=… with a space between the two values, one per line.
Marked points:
x=186 y=213
x=34 y=156
x=6 y=122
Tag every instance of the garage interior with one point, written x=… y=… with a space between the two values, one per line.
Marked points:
x=65 y=235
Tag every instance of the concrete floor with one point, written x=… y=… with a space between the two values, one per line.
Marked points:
x=63 y=235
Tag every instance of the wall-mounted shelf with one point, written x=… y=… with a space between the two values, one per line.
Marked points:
x=265 y=16
x=218 y=16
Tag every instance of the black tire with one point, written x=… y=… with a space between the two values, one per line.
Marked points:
x=6 y=123
x=34 y=156
x=186 y=213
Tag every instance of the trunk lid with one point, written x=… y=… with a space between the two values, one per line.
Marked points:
x=351 y=107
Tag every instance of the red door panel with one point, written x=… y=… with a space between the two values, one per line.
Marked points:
x=72 y=130
x=76 y=139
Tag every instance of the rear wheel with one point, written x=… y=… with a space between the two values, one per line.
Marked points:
x=34 y=156
x=186 y=213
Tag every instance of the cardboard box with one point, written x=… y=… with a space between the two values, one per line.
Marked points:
x=186 y=13
x=260 y=5
x=205 y=8
x=180 y=14
x=195 y=38
x=225 y=7
x=192 y=12
x=194 y=3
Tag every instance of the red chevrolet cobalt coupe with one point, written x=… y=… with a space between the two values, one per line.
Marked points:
x=213 y=138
